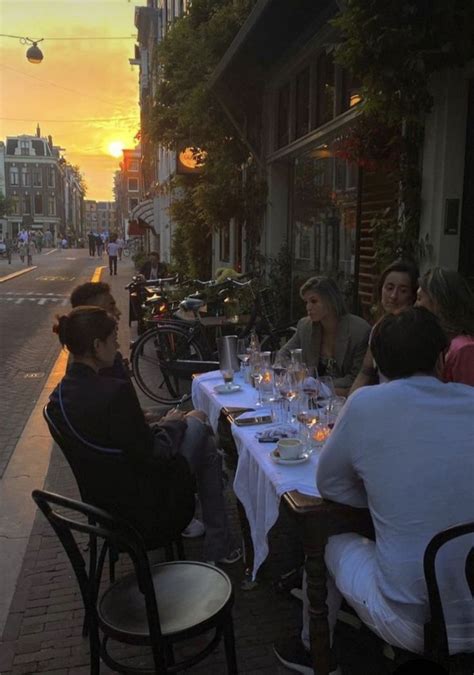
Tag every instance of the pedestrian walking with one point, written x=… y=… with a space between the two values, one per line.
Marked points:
x=29 y=253
x=112 y=251
x=48 y=239
x=91 y=241
x=8 y=249
x=22 y=249
x=120 y=243
x=99 y=244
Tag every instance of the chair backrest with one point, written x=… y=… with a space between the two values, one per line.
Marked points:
x=69 y=518
x=157 y=498
x=436 y=637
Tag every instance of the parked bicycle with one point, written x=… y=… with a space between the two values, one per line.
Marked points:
x=167 y=355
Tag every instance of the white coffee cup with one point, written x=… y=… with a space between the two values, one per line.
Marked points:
x=290 y=448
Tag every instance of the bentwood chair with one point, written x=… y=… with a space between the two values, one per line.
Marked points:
x=157 y=499
x=436 y=644
x=155 y=606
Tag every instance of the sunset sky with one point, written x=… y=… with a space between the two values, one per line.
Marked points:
x=84 y=93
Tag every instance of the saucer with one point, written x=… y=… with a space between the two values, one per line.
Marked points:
x=288 y=462
x=227 y=388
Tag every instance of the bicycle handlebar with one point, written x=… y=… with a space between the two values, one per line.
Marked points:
x=135 y=282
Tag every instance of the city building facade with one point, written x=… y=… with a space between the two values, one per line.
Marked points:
x=43 y=190
x=158 y=163
x=127 y=190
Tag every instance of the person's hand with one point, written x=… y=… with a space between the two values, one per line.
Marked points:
x=174 y=416
x=199 y=414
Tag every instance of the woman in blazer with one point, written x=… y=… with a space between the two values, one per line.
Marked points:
x=332 y=340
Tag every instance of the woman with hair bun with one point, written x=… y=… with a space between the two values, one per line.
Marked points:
x=447 y=294
x=104 y=412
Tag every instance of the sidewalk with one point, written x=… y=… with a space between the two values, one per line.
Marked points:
x=43 y=629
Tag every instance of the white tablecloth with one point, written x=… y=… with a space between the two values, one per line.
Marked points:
x=259 y=482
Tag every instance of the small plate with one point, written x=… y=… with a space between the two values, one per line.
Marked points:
x=227 y=388
x=288 y=462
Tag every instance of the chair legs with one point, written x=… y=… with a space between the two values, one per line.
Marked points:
x=229 y=645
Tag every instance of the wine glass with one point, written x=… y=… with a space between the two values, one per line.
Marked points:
x=311 y=387
x=308 y=418
x=335 y=406
x=288 y=389
x=326 y=390
x=243 y=351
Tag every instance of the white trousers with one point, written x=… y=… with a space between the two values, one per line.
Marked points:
x=350 y=561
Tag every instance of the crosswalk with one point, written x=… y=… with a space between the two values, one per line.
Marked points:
x=32 y=297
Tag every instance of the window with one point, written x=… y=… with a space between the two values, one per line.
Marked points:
x=52 y=206
x=24 y=147
x=324 y=89
x=39 y=204
x=25 y=177
x=169 y=11
x=133 y=184
x=26 y=204
x=51 y=177
x=224 y=243
x=133 y=165
x=132 y=203
x=283 y=125
x=37 y=178
x=15 y=205
x=13 y=175
x=324 y=208
x=302 y=104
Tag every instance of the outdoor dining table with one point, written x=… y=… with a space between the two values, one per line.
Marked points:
x=260 y=485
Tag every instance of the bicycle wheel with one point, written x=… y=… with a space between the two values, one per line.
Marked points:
x=163 y=363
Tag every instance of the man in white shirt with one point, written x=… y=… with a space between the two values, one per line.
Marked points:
x=405 y=450
x=112 y=251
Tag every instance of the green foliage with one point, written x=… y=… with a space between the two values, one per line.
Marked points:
x=393 y=48
x=139 y=258
x=186 y=113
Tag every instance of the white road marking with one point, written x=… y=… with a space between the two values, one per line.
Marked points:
x=52 y=251
x=19 y=301
x=42 y=301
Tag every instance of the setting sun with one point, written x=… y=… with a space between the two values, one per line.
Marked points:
x=115 y=148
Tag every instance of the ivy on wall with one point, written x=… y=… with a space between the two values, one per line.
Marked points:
x=185 y=113
x=393 y=47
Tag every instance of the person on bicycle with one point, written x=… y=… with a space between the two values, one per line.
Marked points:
x=105 y=412
x=332 y=340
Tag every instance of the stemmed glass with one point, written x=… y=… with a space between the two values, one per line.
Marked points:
x=243 y=354
x=288 y=389
x=326 y=390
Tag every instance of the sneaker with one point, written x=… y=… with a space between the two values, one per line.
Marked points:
x=194 y=529
x=293 y=655
x=233 y=557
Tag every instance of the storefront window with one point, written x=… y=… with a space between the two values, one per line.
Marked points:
x=324 y=218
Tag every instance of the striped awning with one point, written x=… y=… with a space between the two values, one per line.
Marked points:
x=144 y=212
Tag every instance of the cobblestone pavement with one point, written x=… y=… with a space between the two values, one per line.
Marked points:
x=43 y=630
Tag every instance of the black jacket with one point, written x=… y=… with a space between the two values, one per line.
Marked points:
x=105 y=411
x=146 y=270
